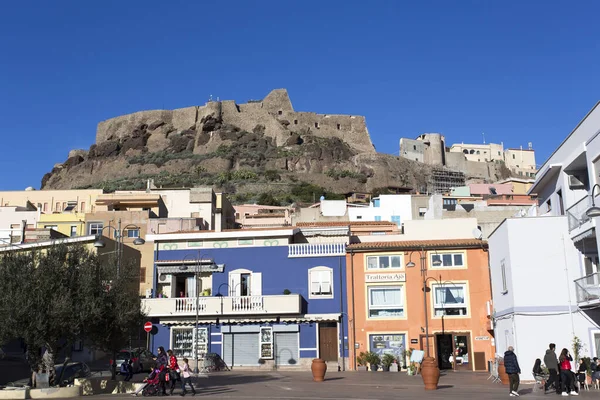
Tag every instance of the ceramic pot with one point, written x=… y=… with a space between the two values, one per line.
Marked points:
x=502 y=373
x=318 y=368
x=430 y=373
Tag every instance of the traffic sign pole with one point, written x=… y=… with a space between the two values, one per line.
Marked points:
x=148 y=328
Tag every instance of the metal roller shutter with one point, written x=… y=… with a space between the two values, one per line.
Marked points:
x=286 y=348
x=240 y=349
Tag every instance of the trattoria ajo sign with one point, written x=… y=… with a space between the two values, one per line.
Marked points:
x=399 y=277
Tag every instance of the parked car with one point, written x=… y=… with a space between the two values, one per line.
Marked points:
x=142 y=359
x=73 y=371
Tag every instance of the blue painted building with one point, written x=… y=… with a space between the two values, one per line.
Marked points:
x=263 y=297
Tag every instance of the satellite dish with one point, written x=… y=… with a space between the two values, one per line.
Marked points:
x=477 y=234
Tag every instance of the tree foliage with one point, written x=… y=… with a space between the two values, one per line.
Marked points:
x=51 y=299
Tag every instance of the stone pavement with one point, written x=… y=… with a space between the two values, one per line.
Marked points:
x=362 y=385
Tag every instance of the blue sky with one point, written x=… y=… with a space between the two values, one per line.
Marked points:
x=520 y=71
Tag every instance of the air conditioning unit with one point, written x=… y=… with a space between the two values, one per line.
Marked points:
x=575 y=183
x=164 y=278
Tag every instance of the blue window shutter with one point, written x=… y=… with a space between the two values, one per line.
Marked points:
x=378 y=218
x=375 y=202
x=396 y=219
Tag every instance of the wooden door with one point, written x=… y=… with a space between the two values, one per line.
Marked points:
x=328 y=341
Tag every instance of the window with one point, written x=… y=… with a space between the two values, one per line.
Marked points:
x=377 y=218
x=472 y=152
x=133 y=233
x=73 y=230
x=243 y=282
x=39 y=206
x=339 y=126
x=266 y=343
x=422 y=211
x=499 y=153
x=95 y=228
x=448 y=260
x=477 y=151
x=245 y=285
x=465 y=151
x=503 y=269
x=57 y=208
x=513 y=156
x=64 y=205
x=375 y=202
x=53 y=227
x=45 y=207
x=415 y=147
x=295 y=122
x=279 y=112
x=82 y=207
x=449 y=300
x=183 y=342
x=386 y=301
x=384 y=262
x=317 y=125
x=142 y=274
x=396 y=220
x=359 y=217
x=320 y=279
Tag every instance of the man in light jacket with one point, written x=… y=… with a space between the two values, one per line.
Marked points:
x=551 y=362
x=511 y=364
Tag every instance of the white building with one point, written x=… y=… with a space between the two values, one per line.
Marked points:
x=14 y=220
x=387 y=207
x=533 y=290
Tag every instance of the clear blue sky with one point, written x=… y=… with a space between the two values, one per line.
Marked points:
x=519 y=71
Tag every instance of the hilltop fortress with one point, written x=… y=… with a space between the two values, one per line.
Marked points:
x=275 y=112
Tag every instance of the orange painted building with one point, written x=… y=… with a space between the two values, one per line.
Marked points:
x=386 y=307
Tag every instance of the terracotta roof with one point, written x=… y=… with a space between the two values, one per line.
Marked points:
x=231 y=230
x=416 y=244
x=343 y=223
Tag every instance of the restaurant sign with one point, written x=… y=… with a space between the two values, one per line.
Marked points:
x=399 y=277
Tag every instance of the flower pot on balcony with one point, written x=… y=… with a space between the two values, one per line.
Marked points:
x=430 y=373
x=502 y=373
x=318 y=368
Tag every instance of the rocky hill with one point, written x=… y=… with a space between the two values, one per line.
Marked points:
x=260 y=147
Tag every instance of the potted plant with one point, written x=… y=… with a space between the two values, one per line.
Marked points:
x=206 y=292
x=361 y=360
x=386 y=361
x=287 y=291
x=373 y=360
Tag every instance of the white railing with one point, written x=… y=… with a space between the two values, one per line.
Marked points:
x=576 y=213
x=316 y=249
x=217 y=305
x=247 y=303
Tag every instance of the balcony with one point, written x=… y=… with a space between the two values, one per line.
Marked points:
x=588 y=289
x=576 y=213
x=223 y=306
x=316 y=250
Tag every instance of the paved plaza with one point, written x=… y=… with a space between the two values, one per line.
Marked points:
x=352 y=385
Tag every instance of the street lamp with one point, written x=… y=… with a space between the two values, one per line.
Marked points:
x=593 y=211
x=119 y=234
x=429 y=369
x=183 y=267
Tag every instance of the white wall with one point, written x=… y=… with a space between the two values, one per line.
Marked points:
x=10 y=216
x=440 y=229
x=389 y=205
x=540 y=305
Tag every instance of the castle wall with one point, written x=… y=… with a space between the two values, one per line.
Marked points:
x=434 y=153
x=412 y=149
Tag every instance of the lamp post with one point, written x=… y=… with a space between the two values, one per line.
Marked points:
x=593 y=211
x=183 y=267
x=429 y=369
x=119 y=233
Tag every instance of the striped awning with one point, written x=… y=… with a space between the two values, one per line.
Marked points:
x=190 y=321
x=176 y=269
x=589 y=233
x=312 y=318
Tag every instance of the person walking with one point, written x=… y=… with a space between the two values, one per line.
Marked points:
x=186 y=377
x=565 y=373
x=511 y=364
x=551 y=363
x=173 y=371
x=162 y=363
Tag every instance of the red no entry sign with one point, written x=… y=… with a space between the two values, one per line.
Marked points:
x=148 y=326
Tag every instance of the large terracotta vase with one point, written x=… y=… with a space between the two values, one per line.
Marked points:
x=318 y=369
x=430 y=373
x=502 y=373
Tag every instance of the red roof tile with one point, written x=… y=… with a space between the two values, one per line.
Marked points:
x=416 y=244
x=343 y=223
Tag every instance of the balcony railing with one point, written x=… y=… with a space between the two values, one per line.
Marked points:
x=316 y=249
x=588 y=288
x=576 y=213
x=215 y=306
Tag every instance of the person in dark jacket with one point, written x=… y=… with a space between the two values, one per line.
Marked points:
x=551 y=363
x=162 y=363
x=511 y=364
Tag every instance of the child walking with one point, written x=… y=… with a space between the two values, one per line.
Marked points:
x=186 y=377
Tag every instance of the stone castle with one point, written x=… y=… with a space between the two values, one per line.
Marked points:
x=275 y=112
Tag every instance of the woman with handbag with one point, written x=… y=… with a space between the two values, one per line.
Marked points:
x=162 y=364
x=173 y=371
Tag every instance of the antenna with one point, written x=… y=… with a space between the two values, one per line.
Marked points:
x=483 y=134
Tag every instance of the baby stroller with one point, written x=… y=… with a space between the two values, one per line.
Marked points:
x=152 y=387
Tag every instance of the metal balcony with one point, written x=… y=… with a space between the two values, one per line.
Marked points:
x=588 y=289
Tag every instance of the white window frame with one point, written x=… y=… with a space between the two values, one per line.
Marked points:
x=389 y=256
x=71 y=231
x=370 y=307
x=320 y=295
x=235 y=287
x=267 y=343
x=134 y=230
x=503 y=270
x=452 y=254
x=98 y=226
x=202 y=341
x=439 y=308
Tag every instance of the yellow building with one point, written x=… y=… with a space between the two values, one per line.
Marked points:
x=53 y=201
x=69 y=224
x=520 y=185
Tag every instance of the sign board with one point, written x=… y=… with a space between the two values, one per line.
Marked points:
x=414 y=341
x=482 y=338
x=148 y=326
x=399 y=277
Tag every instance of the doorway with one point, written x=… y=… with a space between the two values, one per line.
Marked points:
x=328 y=341
x=444 y=350
x=245 y=285
x=457 y=344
